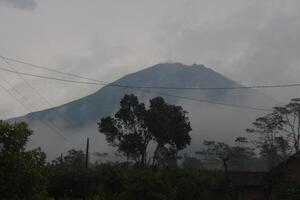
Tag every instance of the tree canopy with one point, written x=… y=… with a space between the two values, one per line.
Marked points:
x=134 y=127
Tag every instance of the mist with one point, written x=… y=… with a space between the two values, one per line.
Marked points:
x=209 y=122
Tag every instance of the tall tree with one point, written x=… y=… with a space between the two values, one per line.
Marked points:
x=127 y=129
x=279 y=131
x=170 y=128
x=134 y=127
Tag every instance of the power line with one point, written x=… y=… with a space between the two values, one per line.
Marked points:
x=52 y=78
x=13 y=96
x=29 y=110
x=58 y=131
x=36 y=91
x=53 y=70
x=209 y=101
x=153 y=87
x=139 y=89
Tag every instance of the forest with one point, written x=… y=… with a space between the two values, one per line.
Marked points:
x=150 y=140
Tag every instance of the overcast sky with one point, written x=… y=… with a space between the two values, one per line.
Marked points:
x=250 y=41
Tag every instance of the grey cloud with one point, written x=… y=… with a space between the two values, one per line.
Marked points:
x=252 y=42
x=259 y=44
x=20 y=4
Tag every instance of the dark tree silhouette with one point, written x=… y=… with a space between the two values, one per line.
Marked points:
x=127 y=129
x=170 y=128
x=134 y=127
x=232 y=157
x=279 y=131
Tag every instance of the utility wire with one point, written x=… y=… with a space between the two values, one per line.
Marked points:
x=53 y=78
x=153 y=87
x=43 y=98
x=209 y=101
x=38 y=93
x=29 y=110
x=139 y=89
x=52 y=70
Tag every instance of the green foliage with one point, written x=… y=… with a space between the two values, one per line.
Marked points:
x=23 y=174
x=13 y=137
x=68 y=177
x=120 y=182
x=110 y=180
x=73 y=159
x=144 y=184
x=189 y=183
x=71 y=183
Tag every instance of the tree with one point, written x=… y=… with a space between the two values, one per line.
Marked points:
x=13 y=137
x=69 y=178
x=134 y=127
x=127 y=129
x=290 y=121
x=73 y=159
x=146 y=185
x=235 y=157
x=279 y=131
x=170 y=128
x=242 y=155
x=214 y=152
x=22 y=173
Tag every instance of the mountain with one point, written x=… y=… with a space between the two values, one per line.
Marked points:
x=79 y=118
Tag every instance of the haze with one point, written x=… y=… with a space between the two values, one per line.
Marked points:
x=252 y=42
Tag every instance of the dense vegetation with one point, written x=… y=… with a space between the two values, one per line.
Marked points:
x=121 y=181
x=25 y=174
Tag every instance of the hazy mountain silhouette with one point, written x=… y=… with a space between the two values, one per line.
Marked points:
x=83 y=114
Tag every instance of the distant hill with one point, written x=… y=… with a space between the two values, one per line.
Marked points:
x=79 y=118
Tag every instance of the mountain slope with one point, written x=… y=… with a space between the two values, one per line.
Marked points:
x=80 y=116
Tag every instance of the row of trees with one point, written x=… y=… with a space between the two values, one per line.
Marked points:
x=150 y=138
x=120 y=181
x=277 y=136
x=27 y=175
x=133 y=128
